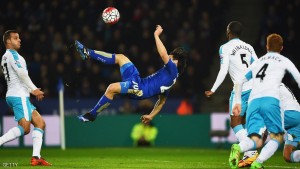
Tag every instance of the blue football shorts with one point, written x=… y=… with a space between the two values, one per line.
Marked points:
x=131 y=80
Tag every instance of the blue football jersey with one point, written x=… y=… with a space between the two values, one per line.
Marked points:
x=159 y=82
x=141 y=88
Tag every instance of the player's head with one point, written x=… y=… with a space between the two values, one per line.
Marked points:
x=234 y=29
x=11 y=40
x=179 y=55
x=274 y=43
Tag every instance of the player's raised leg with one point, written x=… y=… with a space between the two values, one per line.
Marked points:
x=127 y=69
x=86 y=53
x=104 y=57
x=23 y=118
x=12 y=134
x=112 y=89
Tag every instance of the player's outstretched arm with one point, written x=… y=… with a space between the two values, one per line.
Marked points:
x=157 y=107
x=224 y=66
x=160 y=46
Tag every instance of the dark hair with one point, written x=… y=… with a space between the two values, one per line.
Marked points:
x=235 y=28
x=181 y=55
x=274 y=42
x=6 y=35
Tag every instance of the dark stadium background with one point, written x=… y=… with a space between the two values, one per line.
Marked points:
x=47 y=27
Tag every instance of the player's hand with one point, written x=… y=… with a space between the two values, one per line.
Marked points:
x=236 y=109
x=158 y=30
x=208 y=93
x=146 y=119
x=38 y=94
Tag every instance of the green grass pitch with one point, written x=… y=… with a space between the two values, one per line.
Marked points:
x=131 y=158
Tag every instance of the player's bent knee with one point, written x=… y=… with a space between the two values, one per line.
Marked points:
x=287 y=151
x=287 y=154
x=25 y=125
x=113 y=88
x=38 y=121
x=259 y=143
x=121 y=57
x=257 y=139
x=287 y=157
x=41 y=125
x=277 y=137
x=26 y=130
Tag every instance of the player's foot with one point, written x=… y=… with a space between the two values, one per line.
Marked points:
x=234 y=156
x=246 y=161
x=82 y=50
x=87 y=117
x=256 y=165
x=39 y=161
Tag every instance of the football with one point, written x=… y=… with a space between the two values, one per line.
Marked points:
x=110 y=15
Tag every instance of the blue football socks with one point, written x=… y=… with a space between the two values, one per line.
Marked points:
x=103 y=103
x=104 y=57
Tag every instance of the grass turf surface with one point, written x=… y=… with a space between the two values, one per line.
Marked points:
x=131 y=158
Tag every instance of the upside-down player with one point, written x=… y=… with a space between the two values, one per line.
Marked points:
x=132 y=84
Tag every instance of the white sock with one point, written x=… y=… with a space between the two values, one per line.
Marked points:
x=241 y=135
x=295 y=156
x=12 y=134
x=247 y=144
x=37 y=140
x=268 y=150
